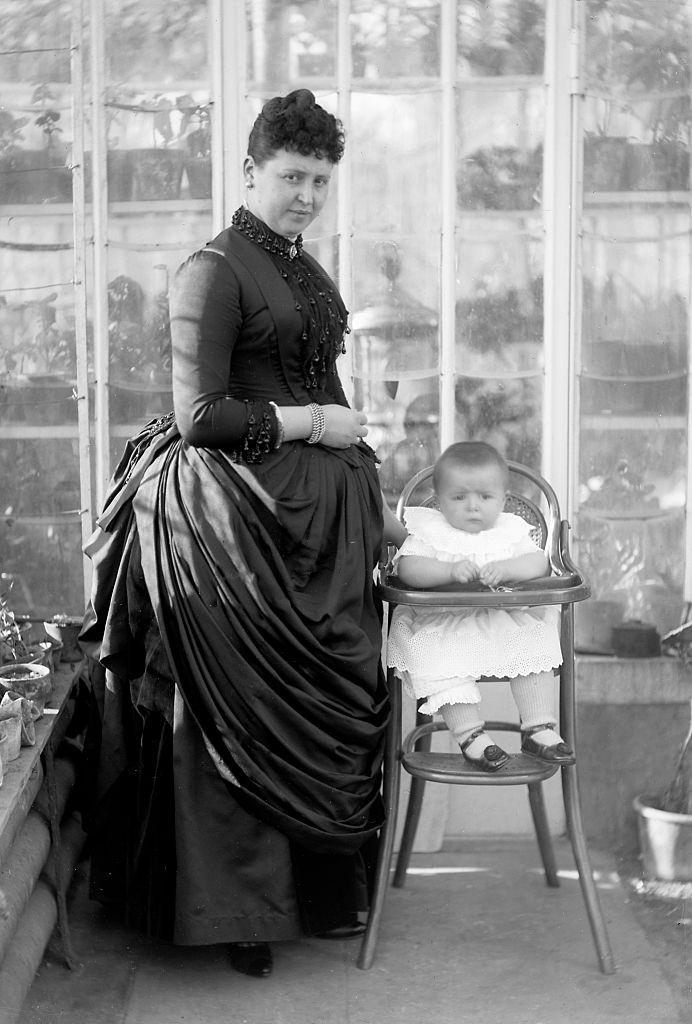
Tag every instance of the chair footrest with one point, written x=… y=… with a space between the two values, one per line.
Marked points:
x=520 y=770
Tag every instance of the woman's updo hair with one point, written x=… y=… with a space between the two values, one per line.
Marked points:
x=299 y=124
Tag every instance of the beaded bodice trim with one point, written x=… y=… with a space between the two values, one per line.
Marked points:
x=324 y=316
x=258 y=232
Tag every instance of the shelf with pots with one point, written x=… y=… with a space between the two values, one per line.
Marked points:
x=175 y=168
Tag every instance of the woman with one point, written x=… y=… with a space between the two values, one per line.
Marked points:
x=232 y=614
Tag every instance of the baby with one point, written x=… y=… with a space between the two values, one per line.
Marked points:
x=441 y=654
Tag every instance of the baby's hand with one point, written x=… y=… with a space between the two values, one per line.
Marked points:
x=464 y=571
x=493 y=574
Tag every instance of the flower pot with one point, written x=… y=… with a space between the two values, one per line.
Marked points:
x=156 y=173
x=32 y=681
x=198 y=171
x=665 y=840
x=65 y=631
x=35 y=176
x=39 y=653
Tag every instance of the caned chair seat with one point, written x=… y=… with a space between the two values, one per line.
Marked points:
x=532 y=498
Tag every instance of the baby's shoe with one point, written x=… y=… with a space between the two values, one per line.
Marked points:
x=492 y=757
x=553 y=753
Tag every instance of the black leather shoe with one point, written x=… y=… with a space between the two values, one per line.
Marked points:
x=351 y=930
x=492 y=759
x=558 y=753
x=253 y=958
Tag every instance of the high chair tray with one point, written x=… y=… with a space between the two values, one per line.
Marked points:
x=567 y=588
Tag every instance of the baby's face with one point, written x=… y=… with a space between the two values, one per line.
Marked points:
x=471 y=498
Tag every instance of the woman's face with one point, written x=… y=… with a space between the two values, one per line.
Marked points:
x=288 y=190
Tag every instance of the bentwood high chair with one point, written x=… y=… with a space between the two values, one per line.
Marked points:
x=532 y=498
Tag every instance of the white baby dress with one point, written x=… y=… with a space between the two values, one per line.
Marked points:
x=439 y=654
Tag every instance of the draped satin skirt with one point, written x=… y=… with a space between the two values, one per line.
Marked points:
x=235 y=640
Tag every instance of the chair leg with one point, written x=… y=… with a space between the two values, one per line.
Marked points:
x=570 y=789
x=390 y=790
x=545 y=842
x=413 y=809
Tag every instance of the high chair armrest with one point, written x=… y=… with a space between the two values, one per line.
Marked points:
x=565 y=588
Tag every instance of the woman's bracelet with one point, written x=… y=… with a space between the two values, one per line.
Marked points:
x=280 y=429
x=318 y=423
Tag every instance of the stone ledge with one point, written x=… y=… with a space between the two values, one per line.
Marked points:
x=605 y=679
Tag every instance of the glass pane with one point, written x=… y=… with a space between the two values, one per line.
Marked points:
x=139 y=335
x=500 y=37
x=395 y=38
x=290 y=42
x=148 y=40
x=637 y=118
x=500 y=148
x=634 y=354
x=395 y=331
x=159 y=144
x=44 y=560
x=403 y=425
x=499 y=313
x=503 y=411
x=637 y=44
x=40 y=531
x=630 y=527
x=394 y=144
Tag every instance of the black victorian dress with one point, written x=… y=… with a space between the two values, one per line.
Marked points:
x=234 y=636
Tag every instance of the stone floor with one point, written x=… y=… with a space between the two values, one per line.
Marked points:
x=474 y=936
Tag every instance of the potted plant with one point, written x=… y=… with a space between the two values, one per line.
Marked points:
x=140 y=350
x=637 y=52
x=634 y=350
x=15 y=646
x=500 y=178
x=42 y=174
x=47 y=363
x=665 y=819
x=157 y=171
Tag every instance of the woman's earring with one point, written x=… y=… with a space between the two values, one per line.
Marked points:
x=249 y=183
